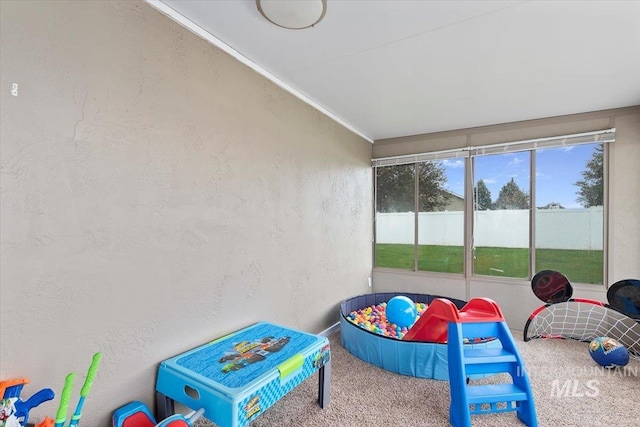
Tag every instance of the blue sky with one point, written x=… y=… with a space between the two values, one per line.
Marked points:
x=557 y=169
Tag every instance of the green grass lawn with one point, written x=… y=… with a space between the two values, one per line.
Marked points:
x=579 y=266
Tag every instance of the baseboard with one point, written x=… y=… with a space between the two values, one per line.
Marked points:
x=330 y=330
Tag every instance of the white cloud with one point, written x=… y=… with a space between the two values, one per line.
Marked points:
x=515 y=161
x=489 y=180
x=453 y=163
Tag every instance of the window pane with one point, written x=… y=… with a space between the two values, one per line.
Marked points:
x=441 y=216
x=569 y=212
x=395 y=217
x=501 y=215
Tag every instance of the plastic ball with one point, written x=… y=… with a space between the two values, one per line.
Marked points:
x=608 y=352
x=401 y=311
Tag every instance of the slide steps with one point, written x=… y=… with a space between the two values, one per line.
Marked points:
x=485 y=319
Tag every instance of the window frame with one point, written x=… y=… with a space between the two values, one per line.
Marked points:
x=604 y=137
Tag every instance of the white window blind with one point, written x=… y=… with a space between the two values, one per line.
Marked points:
x=602 y=136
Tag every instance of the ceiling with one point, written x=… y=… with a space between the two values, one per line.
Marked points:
x=396 y=68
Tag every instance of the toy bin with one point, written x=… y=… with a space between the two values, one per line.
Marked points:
x=237 y=377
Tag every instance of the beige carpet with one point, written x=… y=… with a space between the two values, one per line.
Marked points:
x=364 y=395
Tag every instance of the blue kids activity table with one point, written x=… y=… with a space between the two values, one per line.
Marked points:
x=237 y=377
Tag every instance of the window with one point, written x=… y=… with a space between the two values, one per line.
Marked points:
x=569 y=225
x=439 y=224
x=534 y=205
x=395 y=207
x=441 y=216
x=501 y=215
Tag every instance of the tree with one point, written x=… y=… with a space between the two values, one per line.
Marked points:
x=482 y=196
x=552 y=205
x=591 y=192
x=512 y=197
x=395 y=190
x=431 y=188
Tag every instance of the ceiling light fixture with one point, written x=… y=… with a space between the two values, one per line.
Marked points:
x=293 y=14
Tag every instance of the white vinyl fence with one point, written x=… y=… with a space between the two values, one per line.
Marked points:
x=555 y=228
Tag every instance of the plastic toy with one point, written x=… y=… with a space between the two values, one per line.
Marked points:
x=482 y=316
x=235 y=398
x=86 y=388
x=421 y=358
x=624 y=296
x=374 y=319
x=15 y=411
x=47 y=422
x=585 y=319
x=432 y=326
x=136 y=414
x=435 y=347
x=247 y=352
x=608 y=352
x=61 y=415
x=401 y=311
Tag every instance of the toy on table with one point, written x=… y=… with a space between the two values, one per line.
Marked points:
x=247 y=352
x=136 y=414
x=14 y=412
x=61 y=415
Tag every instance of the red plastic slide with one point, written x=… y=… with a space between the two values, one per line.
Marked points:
x=432 y=325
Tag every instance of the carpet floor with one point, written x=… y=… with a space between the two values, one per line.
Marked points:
x=570 y=389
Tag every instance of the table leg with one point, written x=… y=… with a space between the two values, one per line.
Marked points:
x=165 y=406
x=324 y=384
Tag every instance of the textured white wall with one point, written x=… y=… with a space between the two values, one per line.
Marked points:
x=156 y=194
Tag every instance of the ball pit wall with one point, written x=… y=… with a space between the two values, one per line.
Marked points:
x=411 y=358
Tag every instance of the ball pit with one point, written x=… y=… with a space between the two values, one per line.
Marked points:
x=366 y=333
x=374 y=318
